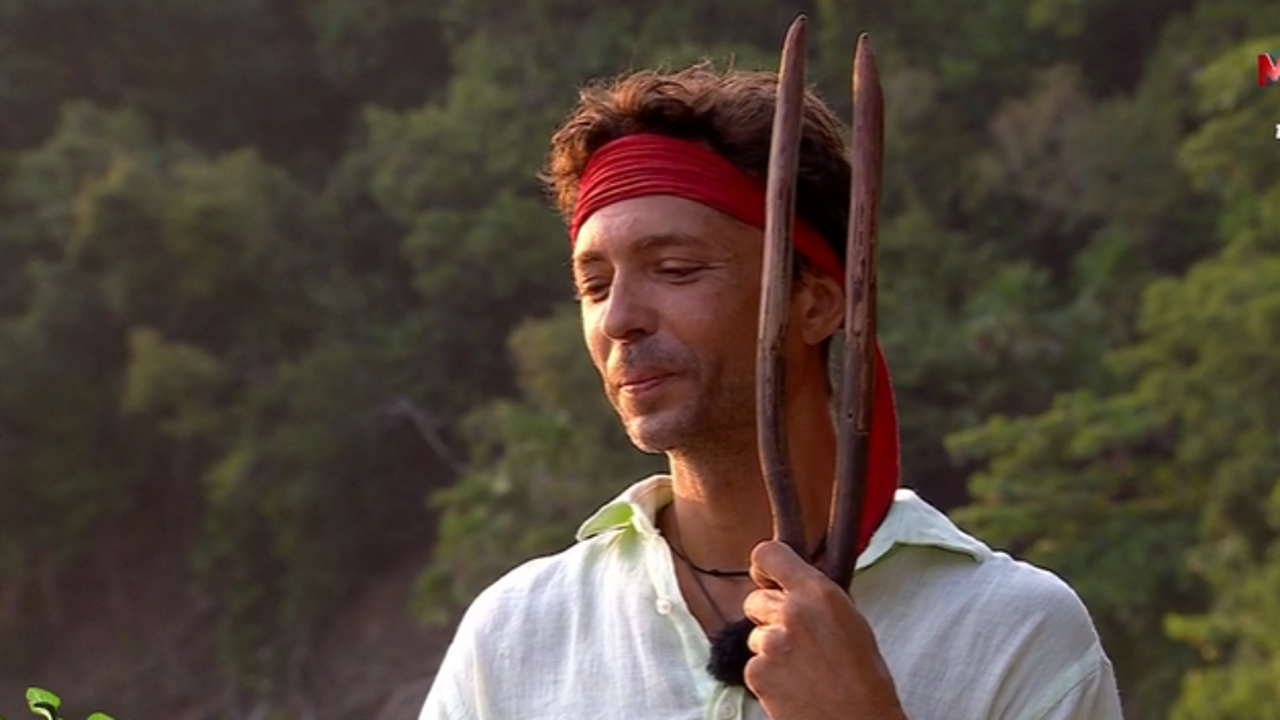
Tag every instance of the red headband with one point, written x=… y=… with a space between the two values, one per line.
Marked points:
x=647 y=164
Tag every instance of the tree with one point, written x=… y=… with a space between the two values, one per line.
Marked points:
x=190 y=343
x=1124 y=490
x=1222 y=327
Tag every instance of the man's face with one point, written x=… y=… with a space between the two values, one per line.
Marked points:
x=670 y=293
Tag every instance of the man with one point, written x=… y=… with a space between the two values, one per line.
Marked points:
x=661 y=180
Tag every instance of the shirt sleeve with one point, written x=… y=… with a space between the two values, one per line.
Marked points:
x=447 y=698
x=486 y=645
x=1093 y=697
x=456 y=691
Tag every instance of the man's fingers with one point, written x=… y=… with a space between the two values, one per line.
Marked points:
x=768 y=642
x=774 y=564
x=764 y=607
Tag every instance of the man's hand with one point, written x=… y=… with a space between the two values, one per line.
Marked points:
x=815 y=654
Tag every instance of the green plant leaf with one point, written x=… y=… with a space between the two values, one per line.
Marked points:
x=44 y=703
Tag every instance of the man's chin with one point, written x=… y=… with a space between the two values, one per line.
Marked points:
x=656 y=435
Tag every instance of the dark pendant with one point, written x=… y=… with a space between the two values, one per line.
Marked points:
x=729 y=653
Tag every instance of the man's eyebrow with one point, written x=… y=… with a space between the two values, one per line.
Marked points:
x=586 y=257
x=667 y=240
x=649 y=243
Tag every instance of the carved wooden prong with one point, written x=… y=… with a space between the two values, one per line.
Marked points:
x=854 y=426
x=784 y=156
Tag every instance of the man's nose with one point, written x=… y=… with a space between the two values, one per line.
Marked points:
x=629 y=313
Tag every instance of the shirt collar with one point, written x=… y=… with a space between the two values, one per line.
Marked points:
x=636 y=507
x=910 y=521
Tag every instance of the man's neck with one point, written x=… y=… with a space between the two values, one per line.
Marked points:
x=721 y=506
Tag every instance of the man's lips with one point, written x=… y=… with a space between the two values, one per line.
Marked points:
x=642 y=383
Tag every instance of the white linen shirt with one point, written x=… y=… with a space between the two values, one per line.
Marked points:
x=601 y=630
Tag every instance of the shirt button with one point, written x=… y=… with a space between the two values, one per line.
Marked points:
x=727 y=712
x=664 y=606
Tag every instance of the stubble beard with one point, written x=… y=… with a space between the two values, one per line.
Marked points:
x=713 y=418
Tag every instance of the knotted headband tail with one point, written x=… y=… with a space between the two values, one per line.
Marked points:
x=646 y=164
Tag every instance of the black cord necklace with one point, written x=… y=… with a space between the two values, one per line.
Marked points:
x=697 y=579
x=729 y=651
x=713 y=572
x=717 y=572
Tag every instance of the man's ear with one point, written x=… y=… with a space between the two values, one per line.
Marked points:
x=819 y=304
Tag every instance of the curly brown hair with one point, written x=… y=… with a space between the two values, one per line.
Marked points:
x=730 y=112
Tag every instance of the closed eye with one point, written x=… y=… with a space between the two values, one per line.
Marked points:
x=593 y=290
x=679 y=271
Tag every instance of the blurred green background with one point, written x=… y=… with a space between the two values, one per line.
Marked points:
x=289 y=366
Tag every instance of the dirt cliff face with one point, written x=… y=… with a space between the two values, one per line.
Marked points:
x=147 y=650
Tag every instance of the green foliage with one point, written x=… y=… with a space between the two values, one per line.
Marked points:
x=179 y=378
x=1229 y=382
x=181 y=321
x=226 y=74
x=1158 y=497
x=385 y=52
x=540 y=466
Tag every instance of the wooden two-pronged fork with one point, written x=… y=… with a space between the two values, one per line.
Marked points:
x=729 y=651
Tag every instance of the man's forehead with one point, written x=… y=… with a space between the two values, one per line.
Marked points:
x=658 y=222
